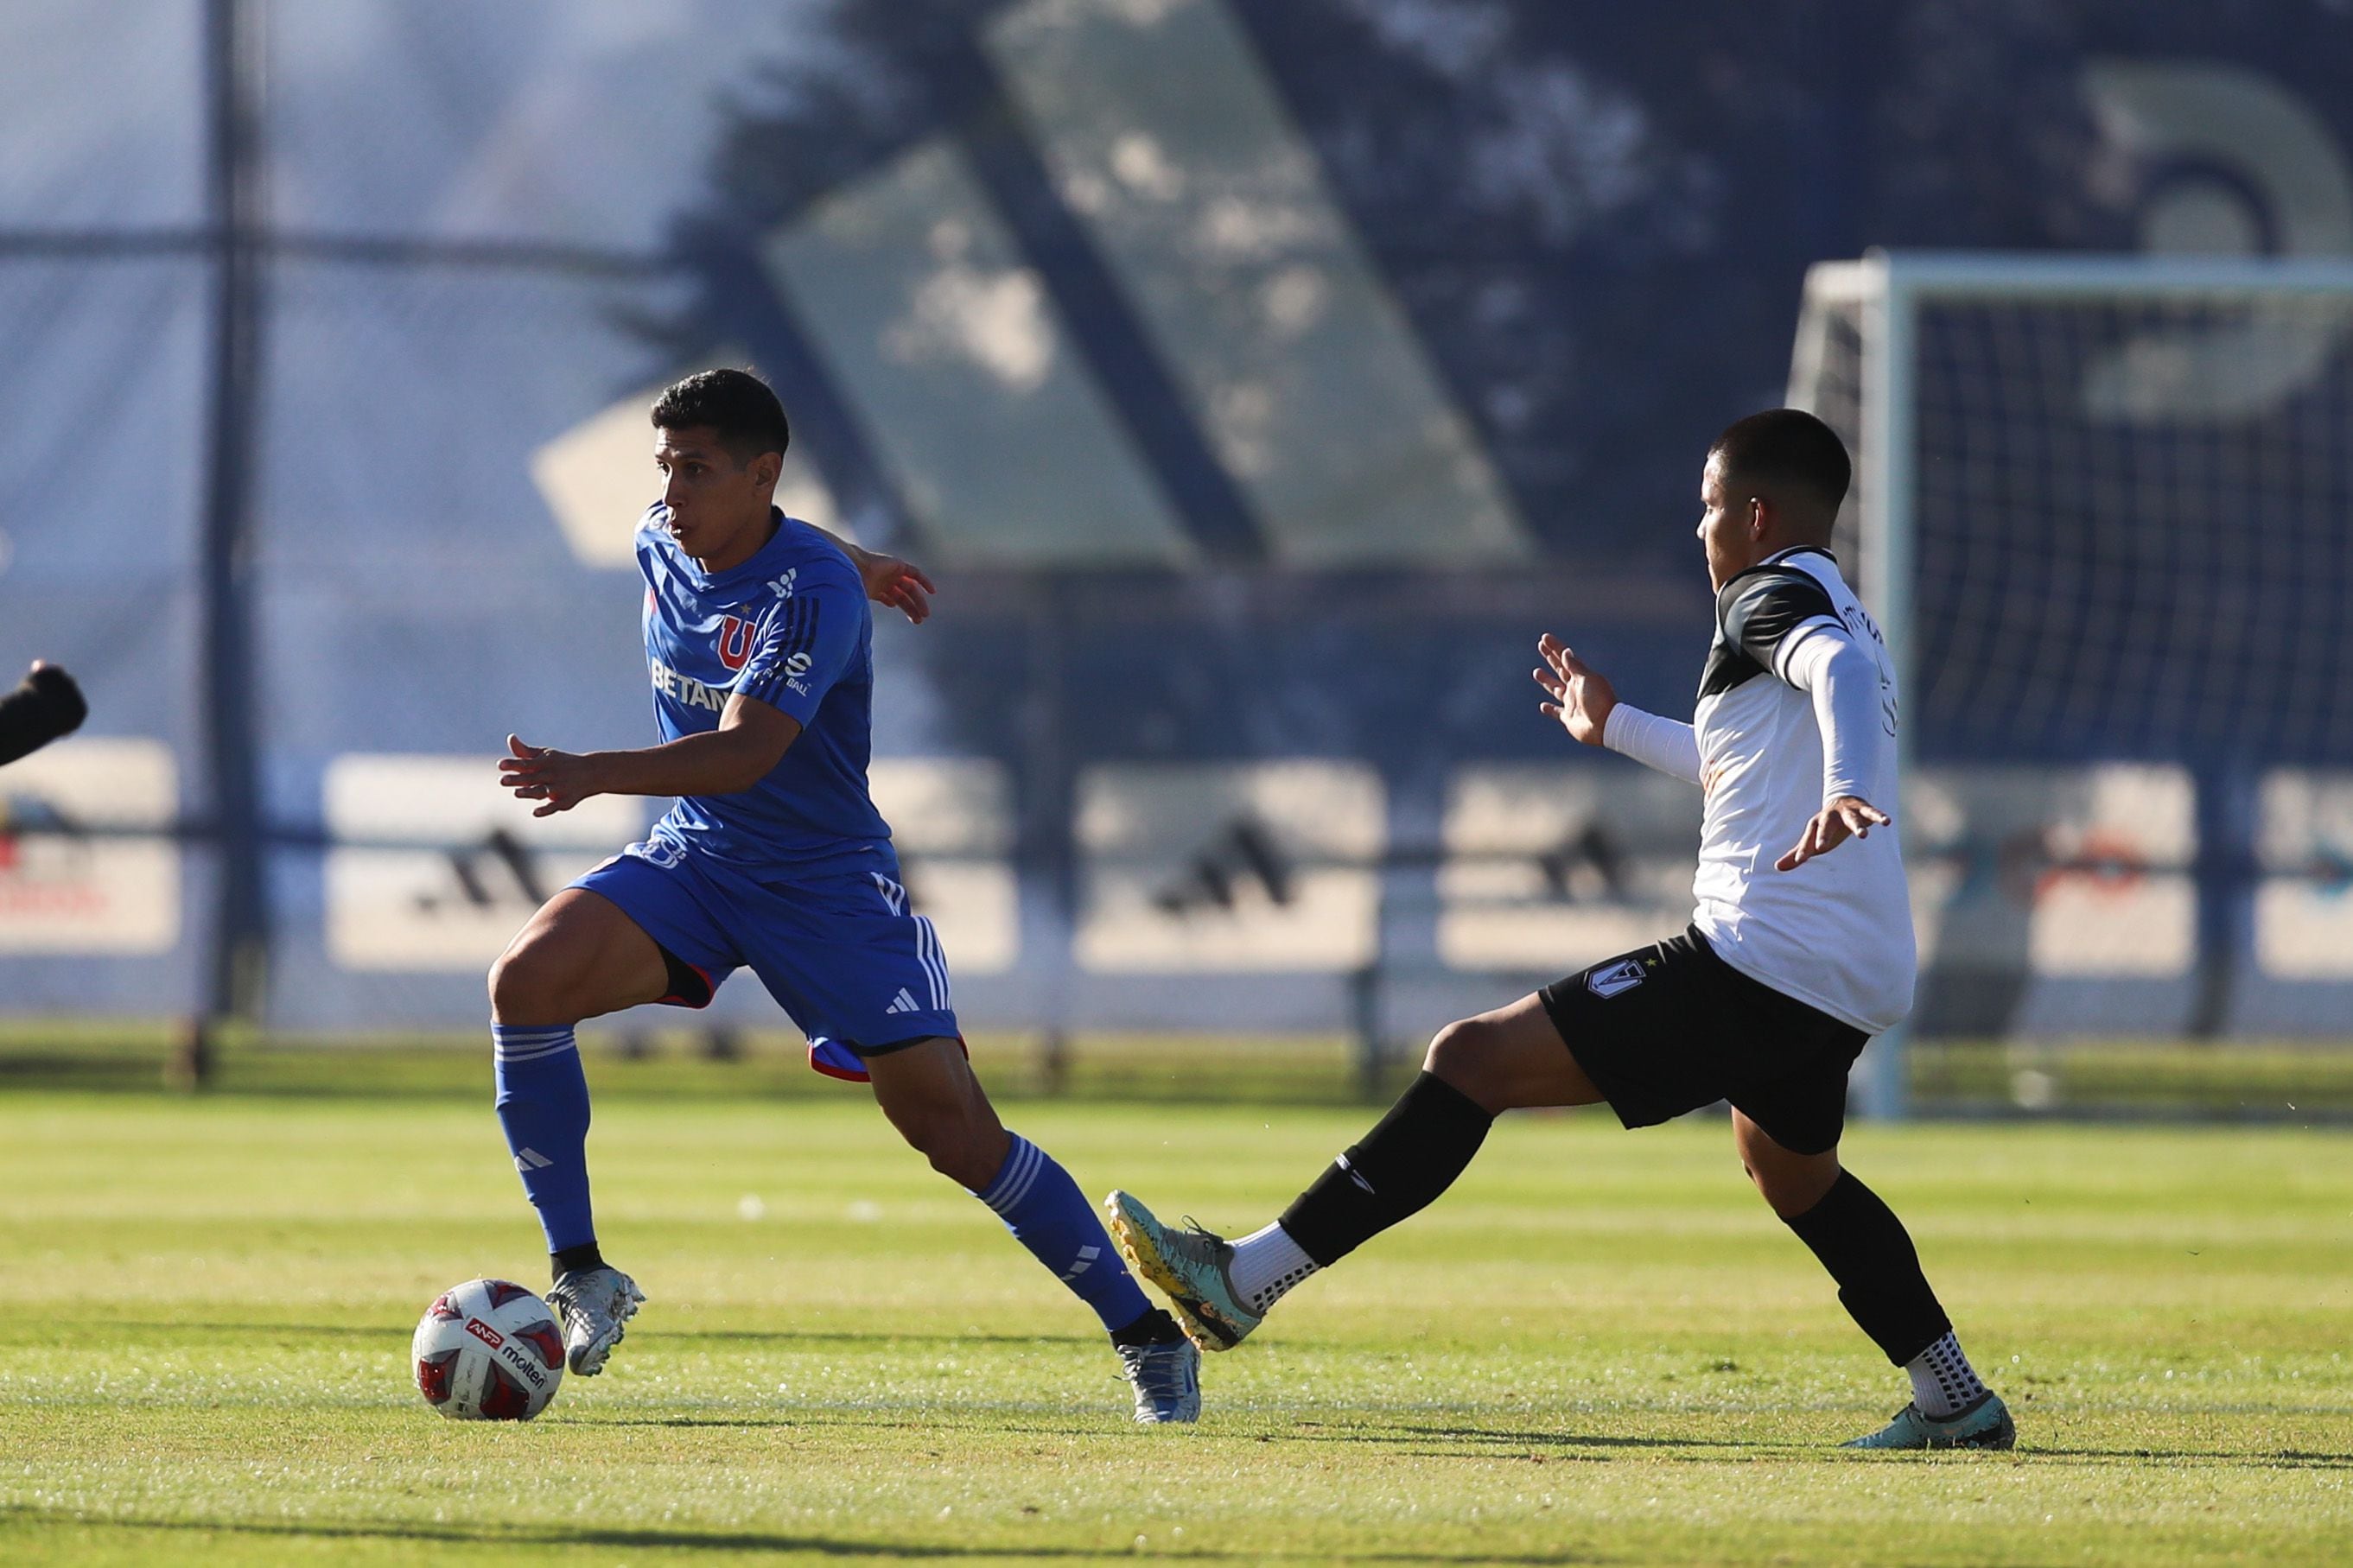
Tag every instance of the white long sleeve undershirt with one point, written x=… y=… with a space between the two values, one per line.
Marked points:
x=1825 y=663
x=1653 y=740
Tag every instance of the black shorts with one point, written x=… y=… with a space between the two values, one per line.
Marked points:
x=1671 y=1027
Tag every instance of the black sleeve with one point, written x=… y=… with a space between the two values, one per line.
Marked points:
x=1759 y=608
x=46 y=704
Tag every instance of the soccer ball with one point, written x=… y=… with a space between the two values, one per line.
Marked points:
x=487 y=1349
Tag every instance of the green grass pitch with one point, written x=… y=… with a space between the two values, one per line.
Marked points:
x=1599 y=1348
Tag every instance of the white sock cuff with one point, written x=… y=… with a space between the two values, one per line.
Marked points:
x=1943 y=1381
x=1266 y=1263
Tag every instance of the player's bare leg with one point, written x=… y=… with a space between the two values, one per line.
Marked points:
x=1510 y=1059
x=1475 y=1070
x=930 y=1095
x=929 y=1092
x=1789 y=1183
x=579 y=957
x=1867 y=1250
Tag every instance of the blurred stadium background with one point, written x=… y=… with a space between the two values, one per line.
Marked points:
x=1258 y=380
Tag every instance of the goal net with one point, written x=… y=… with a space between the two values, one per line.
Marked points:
x=2105 y=510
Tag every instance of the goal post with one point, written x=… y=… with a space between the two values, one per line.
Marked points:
x=2104 y=510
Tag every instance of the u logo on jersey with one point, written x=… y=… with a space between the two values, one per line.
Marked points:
x=734 y=641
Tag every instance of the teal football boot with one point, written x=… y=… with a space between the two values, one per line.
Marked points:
x=1189 y=1266
x=1985 y=1423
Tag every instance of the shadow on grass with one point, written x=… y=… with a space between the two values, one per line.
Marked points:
x=1572 y=1447
x=693 y=1423
x=871 y=1337
x=1479 y=1438
x=929 y=1419
x=699 y=1539
x=183 y=1327
x=2275 y=1459
x=748 y=1336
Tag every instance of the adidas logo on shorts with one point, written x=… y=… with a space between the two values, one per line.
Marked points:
x=1614 y=979
x=902 y=1003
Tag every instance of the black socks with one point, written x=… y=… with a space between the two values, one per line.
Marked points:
x=583 y=1257
x=1419 y=1147
x=1869 y=1254
x=1154 y=1327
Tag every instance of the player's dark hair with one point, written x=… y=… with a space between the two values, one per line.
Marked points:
x=1785 y=448
x=735 y=403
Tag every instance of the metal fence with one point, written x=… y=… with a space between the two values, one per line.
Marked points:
x=1260 y=381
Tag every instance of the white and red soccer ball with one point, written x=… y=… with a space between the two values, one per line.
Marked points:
x=489 y=1349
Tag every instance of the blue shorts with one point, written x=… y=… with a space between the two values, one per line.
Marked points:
x=859 y=971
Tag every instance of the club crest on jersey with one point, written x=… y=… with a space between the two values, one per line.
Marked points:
x=1616 y=979
x=734 y=641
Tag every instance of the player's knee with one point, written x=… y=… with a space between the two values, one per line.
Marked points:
x=1792 y=1184
x=1775 y=1189
x=1463 y=1054
x=511 y=980
x=957 y=1146
x=528 y=985
x=964 y=1164
x=965 y=1154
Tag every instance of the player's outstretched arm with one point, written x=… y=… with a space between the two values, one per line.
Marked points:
x=751 y=740
x=887 y=579
x=1857 y=722
x=1586 y=706
x=44 y=705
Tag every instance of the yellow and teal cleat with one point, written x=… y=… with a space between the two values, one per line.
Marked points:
x=1189 y=1266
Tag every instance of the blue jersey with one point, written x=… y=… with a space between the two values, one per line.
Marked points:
x=791 y=628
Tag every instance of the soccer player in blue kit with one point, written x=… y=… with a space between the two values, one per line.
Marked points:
x=760 y=646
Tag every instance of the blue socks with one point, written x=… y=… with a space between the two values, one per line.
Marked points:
x=543 y=1103
x=1047 y=1214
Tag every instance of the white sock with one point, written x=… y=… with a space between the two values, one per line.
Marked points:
x=1943 y=1381
x=1266 y=1265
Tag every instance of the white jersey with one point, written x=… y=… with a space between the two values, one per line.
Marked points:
x=1794 y=654
x=1835 y=933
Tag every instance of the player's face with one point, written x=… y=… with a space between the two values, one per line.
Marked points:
x=718 y=507
x=1724 y=531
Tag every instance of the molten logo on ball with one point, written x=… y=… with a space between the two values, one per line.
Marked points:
x=489 y=1349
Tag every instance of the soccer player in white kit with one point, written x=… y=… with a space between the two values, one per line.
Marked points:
x=1799 y=950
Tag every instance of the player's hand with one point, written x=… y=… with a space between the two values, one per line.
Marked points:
x=560 y=780
x=898 y=584
x=1848 y=816
x=1582 y=699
